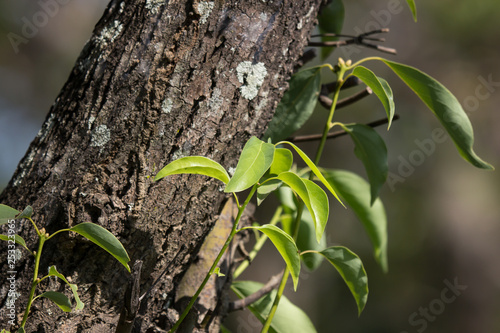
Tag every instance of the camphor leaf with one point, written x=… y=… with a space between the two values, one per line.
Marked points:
x=306 y=240
x=446 y=108
x=288 y=317
x=74 y=288
x=17 y=239
x=59 y=299
x=313 y=168
x=413 y=9
x=256 y=158
x=194 y=165
x=354 y=190
x=266 y=188
x=286 y=247
x=371 y=150
x=331 y=20
x=26 y=213
x=296 y=106
x=7 y=213
x=380 y=87
x=283 y=160
x=352 y=271
x=313 y=197
x=105 y=239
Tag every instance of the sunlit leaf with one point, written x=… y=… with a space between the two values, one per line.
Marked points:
x=331 y=20
x=7 y=213
x=283 y=160
x=313 y=168
x=296 y=106
x=194 y=165
x=313 y=197
x=446 y=108
x=352 y=271
x=105 y=239
x=266 y=188
x=355 y=191
x=286 y=247
x=288 y=317
x=371 y=150
x=255 y=159
x=59 y=299
x=74 y=288
x=380 y=87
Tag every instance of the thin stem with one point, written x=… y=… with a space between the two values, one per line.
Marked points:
x=34 y=225
x=258 y=245
x=216 y=262
x=35 y=282
x=58 y=231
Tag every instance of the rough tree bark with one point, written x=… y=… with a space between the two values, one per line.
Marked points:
x=157 y=80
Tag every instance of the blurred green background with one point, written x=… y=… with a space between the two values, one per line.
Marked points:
x=443 y=214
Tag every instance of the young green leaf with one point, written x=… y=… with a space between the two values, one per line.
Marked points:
x=296 y=106
x=194 y=165
x=283 y=160
x=103 y=238
x=7 y=213
x=352 y=271
x=446 y=108
x=313 y=168
x=26 y=213
x=59 y=299
x=266 y=188
x=314 y=198
x=413 y=8
x=288 y=317
x=380 y=87
x=331 y=20
x=286 y=247
x=306 y=240
x=371 y=150
x=355 y=191
x=256 y=158
x=74 y=288
x=17 y=239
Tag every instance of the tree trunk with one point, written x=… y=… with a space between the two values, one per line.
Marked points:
x=158 y=80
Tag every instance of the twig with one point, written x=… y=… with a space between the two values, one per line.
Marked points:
x=357 y=40
x=314 y=137
x=267 y=288
x=327 y=101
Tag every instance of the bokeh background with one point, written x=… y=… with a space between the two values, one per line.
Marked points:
x=443 y=213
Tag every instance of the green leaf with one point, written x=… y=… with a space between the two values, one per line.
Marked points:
x=105 y=239
x=413 y=8
x=313 y=197
x=17 y=239
x=355 y=191
x=306 y=240
x=331 y=20
x=288 y=317
x=26 y=213
x=74 y=288
x=446 y=108
x=194 y=165
x=296 y=106
x=380 y=87
x=371 y=150
x=7 y=213
x=266 y=188
x=256 y=158
x=313 y=168
x=352 y=271
x=286 y=247
x=283 y=160
x=59 y=299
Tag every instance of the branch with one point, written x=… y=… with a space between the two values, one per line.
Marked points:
x=314 y=137
x=267 y=288
x=357 y=40
x=327 y=101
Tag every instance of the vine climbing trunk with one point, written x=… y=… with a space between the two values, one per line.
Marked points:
x=157 y=80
